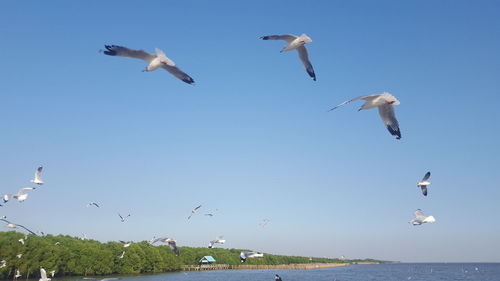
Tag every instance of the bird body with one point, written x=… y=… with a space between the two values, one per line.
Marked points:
x=22 y=194
x=424 y=183
x=384 y=102
x=38 y=176
x=296 y=43
x=155 y=61
x=246 y=255
x=43 y=275
x=420 y=218
x=217 y=240
x=171 y=243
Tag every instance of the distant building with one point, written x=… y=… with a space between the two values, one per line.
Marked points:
x=207 y=260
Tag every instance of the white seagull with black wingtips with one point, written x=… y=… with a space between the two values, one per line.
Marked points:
x=298 y=43
x=154 y=61
x=38 y=176
x=385 y=103
x=424 y=183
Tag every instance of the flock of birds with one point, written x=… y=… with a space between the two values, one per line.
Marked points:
x=384 y=102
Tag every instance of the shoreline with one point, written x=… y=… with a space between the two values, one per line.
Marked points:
x=263 y=266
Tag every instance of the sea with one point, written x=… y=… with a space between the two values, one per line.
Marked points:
x=375 y=272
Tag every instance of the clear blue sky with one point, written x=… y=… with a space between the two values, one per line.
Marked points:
x=253 y=138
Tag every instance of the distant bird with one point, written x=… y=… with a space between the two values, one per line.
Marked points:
x=18 y=274
x=193 y=211
x=211 y=214
x=84 y=237
x=154 y=60
x=21 y=240
x=247 y=255
x=277 y=278
x=57 y=243
x=424 y=183
x=385 y=103
x=218 y=240
x=171 y=242
x=38 y=176
x=22 y=194
x=296 y=42
x=420 y=218
x=93 y=204
x=19 y=256
x=3 y=263
x=43 y=275
x=125 y=244
x=123 y=218
x=121 y=256
x=6 y=198
x=15 y=225
x=264 y=222
x=52 y=272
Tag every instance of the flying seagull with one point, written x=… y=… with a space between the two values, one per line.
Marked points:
x=43 y=275
x=22 y=194
x=121 y=256
x=218 y=239
x=18 y=274
x=52 y=272
x=247 y=255
x=15 y=225
x=424 y=183
x=6 y=198
x=171 y=242
x=154 y=60
x=194 y=211
x=264 y=222
x=384 y=102
x=21 y=241
x=93 y=204
x=298 y=43
x=38 y=176
x=420 y=218
x=125 y=244
x=19 y=256
x=3 y=263
x=123 y=218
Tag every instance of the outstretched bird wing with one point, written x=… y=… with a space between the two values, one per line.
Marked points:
x=368 y=97
x=388 y=116
x=427 y=176
x=120 y=51
x=174 y=70
x=305 y=60
x=287 y=37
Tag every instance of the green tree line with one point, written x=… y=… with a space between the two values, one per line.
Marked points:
x=68 y=255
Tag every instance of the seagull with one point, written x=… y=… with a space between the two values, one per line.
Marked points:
x=18 y=274
x=384 y=102
x=38 y=176
x=3 y=263
x=6 y=198
x=212 y=213
x=424 y=183
x=93 y=203
x=264 y=222
x=121 y=256
x=52 y=272
x=19 y=256
x=194 y=211
x=22 y=194
x=43 y=275
x=15 y=225
x=84 y=237
x=218 y=239
x=125 y=244
x=420 y=218
x=171 y=242
x=57 y=243
x=123 y=218
x=246 y=255
x=298 y=43
x=154 y=60
x=21 y=240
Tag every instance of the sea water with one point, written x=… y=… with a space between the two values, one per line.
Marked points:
x=382 y=272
